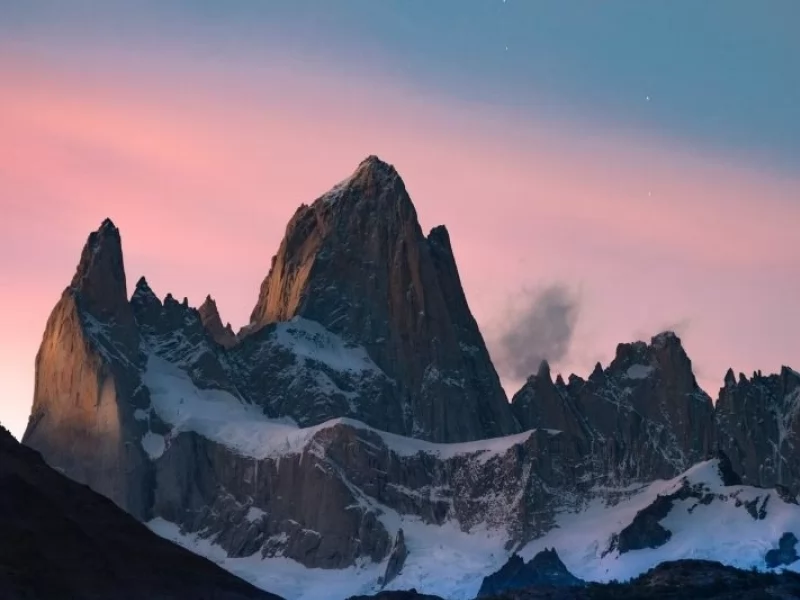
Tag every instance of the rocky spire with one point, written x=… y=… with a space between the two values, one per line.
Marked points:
x=209 y=315
x=99 y=281
x=88 y=384
x=357 y=262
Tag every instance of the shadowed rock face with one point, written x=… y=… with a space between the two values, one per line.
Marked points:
x=396 y=559
x=544 y=570
x=644 y=417
x=758 y=421
x=357 y=262
x=784 y=554
x=59 y=539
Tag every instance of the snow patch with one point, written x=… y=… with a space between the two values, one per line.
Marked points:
x=154 y=444
x=309 y=340
x=255 y=514
x=639 y=371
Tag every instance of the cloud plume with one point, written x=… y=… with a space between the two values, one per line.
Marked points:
x=540 y=328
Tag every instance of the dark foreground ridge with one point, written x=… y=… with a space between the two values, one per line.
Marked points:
x=670 y=580
x=59 y=539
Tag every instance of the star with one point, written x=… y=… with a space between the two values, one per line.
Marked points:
x=647 y=98
x=506 y=48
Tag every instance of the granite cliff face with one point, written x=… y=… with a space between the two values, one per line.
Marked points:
x=88 y=383
x=361 y=401
x=357 y=262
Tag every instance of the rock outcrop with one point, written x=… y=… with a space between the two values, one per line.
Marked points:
x=209 y=316
x=59 y=539
x=544 y=570
x=784 y=554
x=396 y=559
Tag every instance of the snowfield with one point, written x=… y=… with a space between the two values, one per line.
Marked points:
x=451 y=563
x=223 y=418
x=720 y=531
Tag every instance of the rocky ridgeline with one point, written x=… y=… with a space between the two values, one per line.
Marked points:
x=362 y=319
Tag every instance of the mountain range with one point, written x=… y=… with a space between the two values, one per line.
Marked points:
x=354 y=435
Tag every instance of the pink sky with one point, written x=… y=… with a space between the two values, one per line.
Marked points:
x=201 y=172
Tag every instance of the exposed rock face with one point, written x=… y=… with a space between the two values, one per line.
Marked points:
x=396 y=559
x=758 y=422
x=643 y=417
x=785 y=553
x=357 y=262
x=59 y=539
x=209 y=315
x=543 y=570
x=87 y=381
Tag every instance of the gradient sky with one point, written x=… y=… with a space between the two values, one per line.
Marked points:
x=523 y=126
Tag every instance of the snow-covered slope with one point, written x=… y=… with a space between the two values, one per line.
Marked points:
x=221 y=417
x=736 y=525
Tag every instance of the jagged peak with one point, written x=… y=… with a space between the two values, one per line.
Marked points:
x=372 y=166
x=787 y=372
x=108 y=225
x=100 y=276
x=597 y=371
x=560 y=381
x=143 y=293
x=373 y=179
x=440 y=235
x=544 y=371
x=730 y=378
x=209 y=306
x=209 y=316
x=574 y=379
x=665 y=338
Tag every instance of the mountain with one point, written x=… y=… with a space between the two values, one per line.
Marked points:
x=59 y=539
x=360 y=402
x=356 y=262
